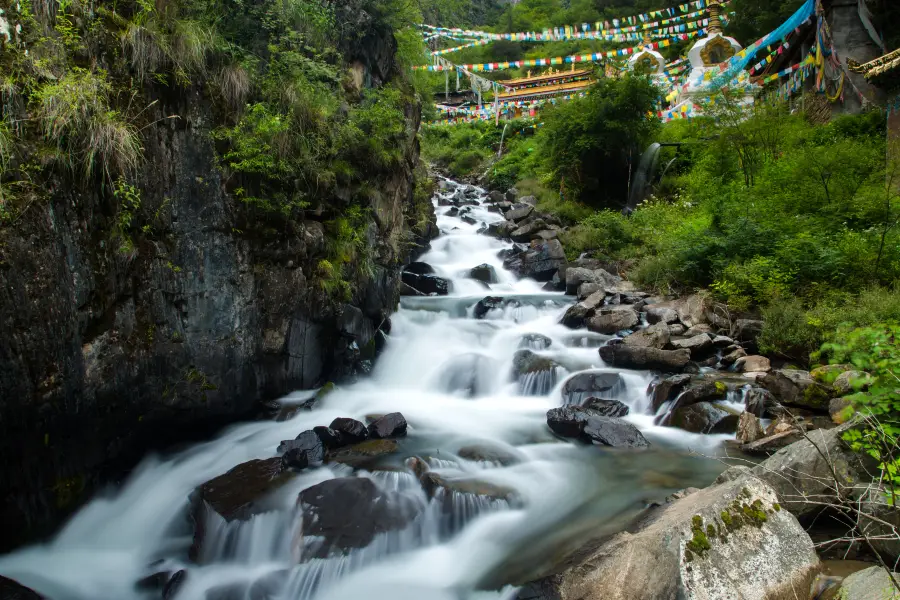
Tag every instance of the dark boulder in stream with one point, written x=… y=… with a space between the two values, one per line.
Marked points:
x=633 y=357
x=541 y=261
x=429 y=285
x=389 y=426
x=607 y=408
x=581 y=386
x=347 y=513
x=351 y=431
x=235 y=495
x=589 y=426
x=484 y=273
x=362 y=454
x=12 y=590
x=307 y=446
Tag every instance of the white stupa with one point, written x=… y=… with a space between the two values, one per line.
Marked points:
x=705 y=57
x=648 y=61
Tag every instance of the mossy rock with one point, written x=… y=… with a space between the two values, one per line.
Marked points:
x=828 y=373
x=363 y=453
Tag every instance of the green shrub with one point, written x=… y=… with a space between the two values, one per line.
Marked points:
x=788 y=331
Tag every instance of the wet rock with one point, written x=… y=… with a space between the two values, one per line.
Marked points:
x=525 y=361
x=581 y=386
x=389 y=426
x=429 y=285
x=576 y=316
x=588 y=426
x=432 y=483
x=703 y=417
x=749 y=428
x=174 y=584
x=347 y=513
x=540 y=262
x=759 y=402
x=500 y=229
x=755 y=364
x=698 y=345
x=672 y=556
x=419 y=268
x=330 y=438
x=350 y=430
x=308 y=444
x=495 y=197
x=535 y=341
x=469 y=219
x=655 y=336
x=485 y=453
x=519 y=212
x=453 y=212
x=13 y=590
x=667 y=389
x=613 y=319
x=362 y=454
x=607 y=408
x=797 y=388
x=483 y=272
x=489 y=303
x=661 y=314
x=235 y=495
x=631 y=357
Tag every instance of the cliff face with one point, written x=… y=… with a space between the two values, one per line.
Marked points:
x=214 y=306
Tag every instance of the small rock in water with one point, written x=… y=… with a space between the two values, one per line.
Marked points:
x=484 y=453
x=749 y=428
x=234 y=495
x=306 y=443
x=535 y=341
x=581 y=386
x=388 y=426
x=607 y=408
x=489 y=303
x=350 y=430
x=174 y=584
x=588 y=426
x=362 y=454
x=469 y=219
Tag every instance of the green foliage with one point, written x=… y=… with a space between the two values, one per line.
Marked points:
x=875 y=350
x=589 y=143
x=129 y=198
x=75 y=113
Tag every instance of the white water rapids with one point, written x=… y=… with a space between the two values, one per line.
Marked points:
x=565 y=491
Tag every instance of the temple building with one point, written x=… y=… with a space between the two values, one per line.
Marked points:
x=548 y=84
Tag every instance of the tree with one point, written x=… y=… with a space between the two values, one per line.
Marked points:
x=590 y=143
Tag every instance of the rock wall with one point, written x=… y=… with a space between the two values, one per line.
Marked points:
x=106 y=355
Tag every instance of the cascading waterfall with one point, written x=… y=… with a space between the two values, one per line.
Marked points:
x=511 y=493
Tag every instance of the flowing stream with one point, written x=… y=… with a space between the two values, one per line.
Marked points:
x=450 y=375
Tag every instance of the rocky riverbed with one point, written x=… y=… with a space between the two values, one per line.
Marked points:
x=534 y=427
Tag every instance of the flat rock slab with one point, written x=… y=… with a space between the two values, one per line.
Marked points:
x=233 y=495
x=690 y=551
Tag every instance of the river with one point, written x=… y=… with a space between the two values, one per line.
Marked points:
x=466 y=547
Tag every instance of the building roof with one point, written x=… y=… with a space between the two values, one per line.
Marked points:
x=546 y=90
x=544 y=77
x=876 y=69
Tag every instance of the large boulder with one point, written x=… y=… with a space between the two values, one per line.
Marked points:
x=419 y=268
x=342 y=514
x=576 y=316
x=631 y=357
x=655 y=336
x=306 y=448
x=390 y=425
x=13 y=590
x=662 y=314
x=753 y=364
x=519 y=212
x=801 y=474
x=428 y=285
x=528 y=231
x=760 y=402
x=350 y=431
x=500 y=229
x=581 y=386
x=874 y=583
x=484 y=273
x=541 y=261
x=588 y=426
x=704 y=417
x=698 y=345
x=613 y=319
x=575 y=276
x=749 y=428
x=797 y=388
x=535 y=374
x=667 y=389
x=235 y=495
x=724 y=542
